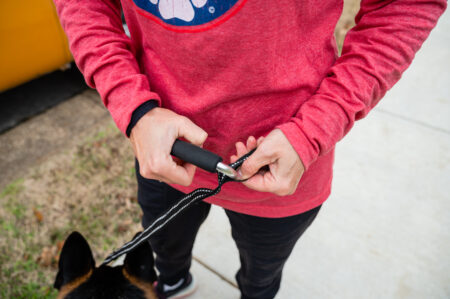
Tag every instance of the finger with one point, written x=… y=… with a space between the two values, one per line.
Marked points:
x=262 y=156
x=241 y=149
x=260 y=139
x=268 y=182
x=233 y=158
x=193 y=133
x=148 y=176
x=263 y=182
x=190 y=169
x=143 y=171
x=251 y=143
x=176 y=174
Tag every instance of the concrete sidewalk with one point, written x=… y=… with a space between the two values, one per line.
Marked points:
x=384 y=233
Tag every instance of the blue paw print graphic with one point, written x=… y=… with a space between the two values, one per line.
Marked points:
x=186 y=12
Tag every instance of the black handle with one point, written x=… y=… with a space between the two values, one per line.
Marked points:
x=195 y=155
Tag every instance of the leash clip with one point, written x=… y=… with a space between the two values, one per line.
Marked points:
x=228 y=171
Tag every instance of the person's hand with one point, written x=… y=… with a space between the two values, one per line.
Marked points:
x=274 y=166
x=152 y=139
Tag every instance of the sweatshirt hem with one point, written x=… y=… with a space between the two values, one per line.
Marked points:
x=267 y=211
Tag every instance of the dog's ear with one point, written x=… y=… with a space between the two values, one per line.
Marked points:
x=140 y=263
x=75 y=261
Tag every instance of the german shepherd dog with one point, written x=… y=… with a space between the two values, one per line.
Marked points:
x=79 y=278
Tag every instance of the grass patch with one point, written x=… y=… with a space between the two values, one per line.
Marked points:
x=90 y=188
x=12 y=189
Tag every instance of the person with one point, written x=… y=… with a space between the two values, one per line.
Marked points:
x=232 y=76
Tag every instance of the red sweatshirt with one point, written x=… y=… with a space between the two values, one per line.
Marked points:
x=244 y=67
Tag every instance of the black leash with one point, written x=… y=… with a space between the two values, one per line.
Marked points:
x=189 y=199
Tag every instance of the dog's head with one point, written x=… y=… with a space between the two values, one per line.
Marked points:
x=79 y=278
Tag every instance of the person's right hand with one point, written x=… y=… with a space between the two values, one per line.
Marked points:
x=152 y=138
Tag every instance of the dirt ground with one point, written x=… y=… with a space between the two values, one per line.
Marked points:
x=89 y=187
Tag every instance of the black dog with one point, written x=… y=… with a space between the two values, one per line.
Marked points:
x=79 y=278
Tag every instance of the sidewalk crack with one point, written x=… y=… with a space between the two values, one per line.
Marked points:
x=231 y=283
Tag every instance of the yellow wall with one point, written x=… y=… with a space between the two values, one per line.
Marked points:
x=32 y=41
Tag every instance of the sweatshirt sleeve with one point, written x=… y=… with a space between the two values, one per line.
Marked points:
x=105 y=55
x=376 y=52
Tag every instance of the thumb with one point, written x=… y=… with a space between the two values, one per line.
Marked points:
x=193 y=133
x=261 y=157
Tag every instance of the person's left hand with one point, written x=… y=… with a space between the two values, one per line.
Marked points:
x=283 y=165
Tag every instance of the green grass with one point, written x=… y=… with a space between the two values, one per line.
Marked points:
x=30 y=290
x=13 y=281
x=81 y=189
x=12 y=189
x=15 y=285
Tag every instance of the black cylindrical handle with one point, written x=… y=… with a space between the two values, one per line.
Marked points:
x=195 y=155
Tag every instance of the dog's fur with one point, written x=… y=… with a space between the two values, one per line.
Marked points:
x=79 y=278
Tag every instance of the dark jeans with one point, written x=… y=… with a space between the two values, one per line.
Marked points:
x=264 y=244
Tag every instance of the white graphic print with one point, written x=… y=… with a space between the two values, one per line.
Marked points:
x=180 y=9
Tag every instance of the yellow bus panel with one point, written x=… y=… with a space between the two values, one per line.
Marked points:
x=32 y=41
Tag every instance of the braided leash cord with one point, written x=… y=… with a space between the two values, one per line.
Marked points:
x=189 y=199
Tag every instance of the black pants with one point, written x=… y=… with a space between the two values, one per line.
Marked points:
x=264 y=244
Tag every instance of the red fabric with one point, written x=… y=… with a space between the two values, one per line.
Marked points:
x=262 y=65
